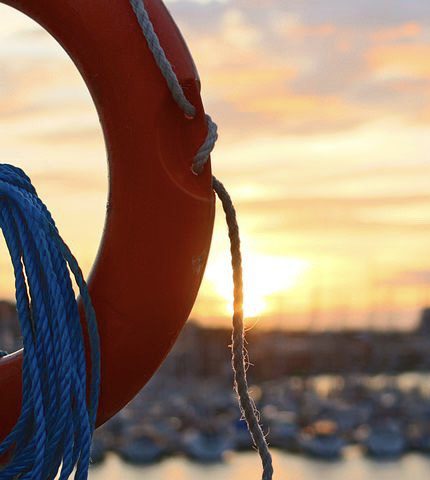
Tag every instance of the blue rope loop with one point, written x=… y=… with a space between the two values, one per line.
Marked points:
x=54 y=431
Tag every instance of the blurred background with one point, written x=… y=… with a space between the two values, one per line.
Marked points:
x=324 y=115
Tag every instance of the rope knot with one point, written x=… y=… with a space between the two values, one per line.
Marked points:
x=203 y=155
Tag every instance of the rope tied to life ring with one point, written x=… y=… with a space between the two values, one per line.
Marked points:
x=54 y=431
x=247 y=406
x=246 y=403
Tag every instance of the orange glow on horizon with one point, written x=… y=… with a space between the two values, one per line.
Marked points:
x=324 y=132
x=263 y=276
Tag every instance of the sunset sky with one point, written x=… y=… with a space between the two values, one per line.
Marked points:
x=324 y=117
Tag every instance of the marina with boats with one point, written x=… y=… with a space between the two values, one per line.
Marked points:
x=380 y=415
x=318 y=393
x=189 y=408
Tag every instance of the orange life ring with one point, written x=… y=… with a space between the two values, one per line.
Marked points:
x=159 y=217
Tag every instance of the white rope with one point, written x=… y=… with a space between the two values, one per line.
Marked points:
x=246 y=404
x=203 y=155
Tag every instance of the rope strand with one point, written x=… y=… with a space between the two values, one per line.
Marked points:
x=247 y=406
x=161 y=59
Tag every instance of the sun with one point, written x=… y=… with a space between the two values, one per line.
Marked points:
x=263 y=275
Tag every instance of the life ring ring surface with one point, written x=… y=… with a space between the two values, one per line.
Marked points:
x=159 y=217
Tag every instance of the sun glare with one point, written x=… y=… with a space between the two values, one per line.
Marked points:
x=264 y=276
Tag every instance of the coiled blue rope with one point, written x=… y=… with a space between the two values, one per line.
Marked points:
x=54 y=431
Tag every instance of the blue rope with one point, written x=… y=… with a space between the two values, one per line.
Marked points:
x=54 y=431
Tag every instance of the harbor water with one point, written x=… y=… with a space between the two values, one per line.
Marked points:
x=353 y=466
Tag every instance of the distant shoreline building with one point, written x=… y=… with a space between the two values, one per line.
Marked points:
x=424 y=323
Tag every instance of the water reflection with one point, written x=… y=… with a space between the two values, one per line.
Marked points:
x=288 y=467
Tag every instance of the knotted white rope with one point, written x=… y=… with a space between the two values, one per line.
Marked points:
x=247 y=406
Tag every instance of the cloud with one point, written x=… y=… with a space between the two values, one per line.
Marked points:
x=279 y=66
x=399 y=32
x=310 y=67
x=340 y=214
x=362 y=12
x=411 y=278
x=404 y=61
